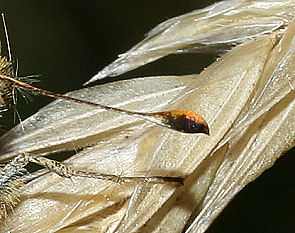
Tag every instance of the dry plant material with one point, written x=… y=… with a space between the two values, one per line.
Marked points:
x=246 y=97
x=214 y=28
x=12 y=174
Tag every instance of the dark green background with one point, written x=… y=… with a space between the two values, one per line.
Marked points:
x=67 y=42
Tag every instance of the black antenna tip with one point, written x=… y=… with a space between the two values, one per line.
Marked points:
x=185 y=121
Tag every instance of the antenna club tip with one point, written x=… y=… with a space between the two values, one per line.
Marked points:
x=186 y=121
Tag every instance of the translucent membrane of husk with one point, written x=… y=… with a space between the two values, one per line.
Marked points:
x=208 y=30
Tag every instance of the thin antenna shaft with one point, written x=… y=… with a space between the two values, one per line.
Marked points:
x=6 y=36
x=179 y=120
